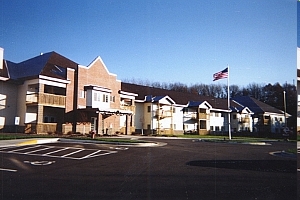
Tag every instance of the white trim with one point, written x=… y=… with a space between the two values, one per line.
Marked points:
x=52 y=83
x=3 y=79
x=94 y=61
x=128 y=93
x=71 y=69
x=126 y=96
x=54 y=79
x=278 y=114
x=112 y=110
x=99 y=88
x=139 y=101
x=221 y=110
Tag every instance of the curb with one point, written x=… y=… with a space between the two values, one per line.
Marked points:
x=283 y=154
x=33 y=141
x=230 y=142
x=37 y=141
x=146 y=144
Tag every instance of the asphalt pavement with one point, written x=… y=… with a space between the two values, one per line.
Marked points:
x=167 y=169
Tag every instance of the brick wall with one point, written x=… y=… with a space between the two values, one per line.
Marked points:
x=97 y=74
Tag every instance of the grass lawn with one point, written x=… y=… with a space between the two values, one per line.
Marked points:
x=225 y=138
x=213 y=138
x=14 y=136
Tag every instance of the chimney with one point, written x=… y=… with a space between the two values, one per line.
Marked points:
x=1 y=57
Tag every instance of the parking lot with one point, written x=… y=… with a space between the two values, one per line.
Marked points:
x=56 y=151
x=182 y=169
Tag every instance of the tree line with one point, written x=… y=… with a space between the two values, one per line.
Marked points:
x=271 y=94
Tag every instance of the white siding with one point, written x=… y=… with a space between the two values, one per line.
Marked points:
x=8 y=101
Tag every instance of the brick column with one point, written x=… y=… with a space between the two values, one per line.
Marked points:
x=40 y=108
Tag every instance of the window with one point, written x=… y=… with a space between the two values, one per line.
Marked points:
x=105 y=98
x=96 y=96
x=149 y=109
x=49 y=119
x=202 y=110
x=211 y=128
x=217 y=128
x=185 y=127
x=173 y=109
x=148 y=126
x=202 y=124
x=81 y=94
x=112 y=98
x=234 y=116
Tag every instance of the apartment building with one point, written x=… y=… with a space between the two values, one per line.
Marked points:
x=98 y=104
x=164 y=111
x=51 y=93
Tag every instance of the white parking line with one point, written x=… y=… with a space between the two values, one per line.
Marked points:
x=72 y=153
x=8 y=170
x=21 y=149
x=52 y=152
x=57 y=152
x=30 y=152
x=90 y=155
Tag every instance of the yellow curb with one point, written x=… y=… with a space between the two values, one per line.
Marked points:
x=29 y=142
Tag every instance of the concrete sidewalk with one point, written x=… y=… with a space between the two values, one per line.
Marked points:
x=29 y=141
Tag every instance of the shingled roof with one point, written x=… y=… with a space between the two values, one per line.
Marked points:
x=49 y=64
x=256 y=106
x=181 y=98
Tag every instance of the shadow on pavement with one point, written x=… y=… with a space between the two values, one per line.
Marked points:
x=282 y=166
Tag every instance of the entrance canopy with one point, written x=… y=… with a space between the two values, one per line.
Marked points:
x=85 y=114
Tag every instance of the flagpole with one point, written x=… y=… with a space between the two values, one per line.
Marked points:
x=228 y=104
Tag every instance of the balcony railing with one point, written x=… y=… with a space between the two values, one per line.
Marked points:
x=244 y=120
x=163 y=113
x=129 y=108
x=200 y=116
x=46 y=99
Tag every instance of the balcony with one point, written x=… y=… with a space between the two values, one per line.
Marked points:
x=46 y=99
x=161 y=114
x=244 y=120
x=200 y=116
x=129 y=108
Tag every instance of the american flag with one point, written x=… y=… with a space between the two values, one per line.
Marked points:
x=221 y=74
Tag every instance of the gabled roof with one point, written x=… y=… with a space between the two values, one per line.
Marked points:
x=49 y=64
x=150 y=98
x=194 y=103
x=197 y=104
x=256 y=106
x=181 y=98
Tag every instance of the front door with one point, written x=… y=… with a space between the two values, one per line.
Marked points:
x=94 y=124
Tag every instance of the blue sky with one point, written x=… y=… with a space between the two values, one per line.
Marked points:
x=169 y=41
